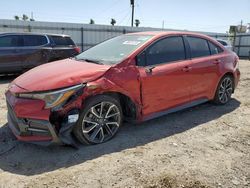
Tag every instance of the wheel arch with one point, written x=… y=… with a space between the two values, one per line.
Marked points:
x=225 y=74
x=129 y=107
x=232 y=76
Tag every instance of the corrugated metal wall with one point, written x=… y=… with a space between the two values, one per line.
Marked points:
x=86 y=35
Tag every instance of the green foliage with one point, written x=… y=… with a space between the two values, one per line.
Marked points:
x=25 y=17
x=16 y=17
x=91 y=21
x=137 y=23
x=113 y=21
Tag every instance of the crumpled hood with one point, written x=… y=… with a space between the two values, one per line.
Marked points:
x=59 y=74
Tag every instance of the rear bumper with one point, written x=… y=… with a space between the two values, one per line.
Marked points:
x=236 y=77
x=29 y=129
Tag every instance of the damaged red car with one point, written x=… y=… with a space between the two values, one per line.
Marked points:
x=133 y=77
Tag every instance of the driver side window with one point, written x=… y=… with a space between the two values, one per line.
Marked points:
x=166 y=50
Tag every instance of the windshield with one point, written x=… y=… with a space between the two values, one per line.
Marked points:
x=114 y=50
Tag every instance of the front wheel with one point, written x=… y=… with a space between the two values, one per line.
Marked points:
x=99 y=120
x=224 y=90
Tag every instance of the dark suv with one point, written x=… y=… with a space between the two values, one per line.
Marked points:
x=22 y=51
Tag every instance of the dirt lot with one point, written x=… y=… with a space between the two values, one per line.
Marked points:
x=205 y=146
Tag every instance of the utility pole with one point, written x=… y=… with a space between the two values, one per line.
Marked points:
x=241 y=23
x=132 y=2
x=163 y=23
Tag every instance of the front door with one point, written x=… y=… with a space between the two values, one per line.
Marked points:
x=163 y=81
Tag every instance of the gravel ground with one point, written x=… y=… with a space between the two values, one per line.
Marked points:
x=205 y=146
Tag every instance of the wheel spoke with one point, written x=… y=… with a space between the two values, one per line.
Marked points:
x=107 y=113
x=95 y=133
x=112 y=115
x=225 y=97
x=90 y=128
x=108 y=129
x=102 y=134
x=112 y=123
x=94 y=112
x=229 y=91
x=101 y=108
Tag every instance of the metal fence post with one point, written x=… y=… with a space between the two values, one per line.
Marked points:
x=82 y=38
x=234 y=40
x=124 y=31
x=29 y=28
x=238 y=52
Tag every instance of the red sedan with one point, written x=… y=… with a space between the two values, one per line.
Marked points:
x=133 y=77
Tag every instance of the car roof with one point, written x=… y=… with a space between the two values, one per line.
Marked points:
x=165 y=33
x=31 y=33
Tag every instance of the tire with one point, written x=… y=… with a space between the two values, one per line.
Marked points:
x=224 y=90
x=99 y=121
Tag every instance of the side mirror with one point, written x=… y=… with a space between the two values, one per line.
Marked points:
x=141 y=59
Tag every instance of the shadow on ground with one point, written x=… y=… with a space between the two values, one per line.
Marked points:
x=28 y=159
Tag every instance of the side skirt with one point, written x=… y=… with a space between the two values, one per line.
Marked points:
x=175 y=109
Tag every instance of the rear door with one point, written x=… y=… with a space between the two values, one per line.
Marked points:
x=63 y=47
x=163 y=82
x=204 y=68
x=11 y=55
x=36 y=50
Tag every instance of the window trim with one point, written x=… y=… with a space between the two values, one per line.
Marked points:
x=186 y=51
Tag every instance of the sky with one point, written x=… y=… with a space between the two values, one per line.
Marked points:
x=195 y=15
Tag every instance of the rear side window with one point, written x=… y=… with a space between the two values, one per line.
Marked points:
x=222 y=42
x=166 y=50
x=62 y=41
x=34 y=40
x=199 y=47
x=214 y=49
x=11 y=41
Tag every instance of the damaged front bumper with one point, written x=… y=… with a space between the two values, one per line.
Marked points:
x=29 y=122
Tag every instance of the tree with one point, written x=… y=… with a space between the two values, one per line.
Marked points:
x=16 y=17
x=113 y=22
x=137 y=22
x=25 y=17
x=91 y=21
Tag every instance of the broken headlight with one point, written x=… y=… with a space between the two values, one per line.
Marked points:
x=53 y=98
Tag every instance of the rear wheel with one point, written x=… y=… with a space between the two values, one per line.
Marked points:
x=224 y=90
x=99 y=120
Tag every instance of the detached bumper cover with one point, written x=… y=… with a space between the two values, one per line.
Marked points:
x=30 y=129
x=29 y=122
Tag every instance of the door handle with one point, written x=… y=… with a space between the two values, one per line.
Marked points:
x=187 y=69
x=217 y=61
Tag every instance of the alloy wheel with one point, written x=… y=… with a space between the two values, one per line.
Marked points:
x=225 y=90
x=101 y=122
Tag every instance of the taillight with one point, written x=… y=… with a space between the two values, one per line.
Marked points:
x=236 y=63
x=77 y=49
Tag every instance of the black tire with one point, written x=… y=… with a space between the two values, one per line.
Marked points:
x=224 y=90
x=102 y=124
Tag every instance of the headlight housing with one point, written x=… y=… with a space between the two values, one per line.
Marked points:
x=53 y=98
